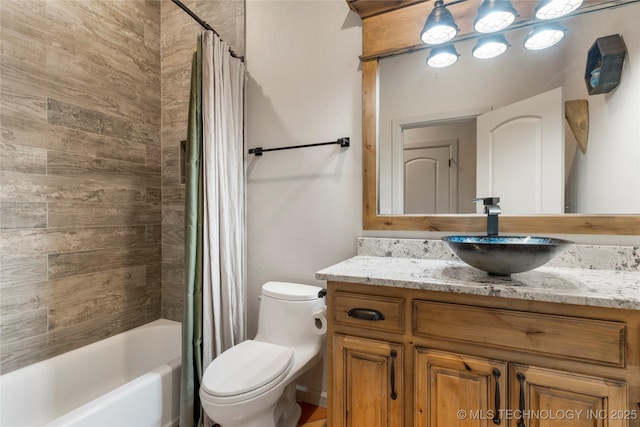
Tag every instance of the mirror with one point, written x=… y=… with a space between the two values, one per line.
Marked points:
x=414 y=134
x=601 y=185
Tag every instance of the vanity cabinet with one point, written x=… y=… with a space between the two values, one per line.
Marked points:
x=478 y=361
x=453 y=388
x=548 y=396
x=368 y=375
x=447 y=383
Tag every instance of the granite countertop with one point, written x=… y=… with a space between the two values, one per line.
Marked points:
x=599 y=288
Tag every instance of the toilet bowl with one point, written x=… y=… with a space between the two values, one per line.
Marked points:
x=253 y=383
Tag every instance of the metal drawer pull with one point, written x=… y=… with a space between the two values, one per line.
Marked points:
x=496 y=417
x=365 y=314
x=394 y=395
x=521 y=378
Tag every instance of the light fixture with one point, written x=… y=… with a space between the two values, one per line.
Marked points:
x=543 y=36
x=440 y=26
x=494 y=15
x=549 y=9
x=442 y=56
x=490 y=47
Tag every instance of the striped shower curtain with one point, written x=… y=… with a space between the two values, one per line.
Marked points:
x=215 y=297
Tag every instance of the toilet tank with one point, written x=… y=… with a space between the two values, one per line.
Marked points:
x=287 y=314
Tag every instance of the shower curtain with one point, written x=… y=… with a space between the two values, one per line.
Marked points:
x=214 y=300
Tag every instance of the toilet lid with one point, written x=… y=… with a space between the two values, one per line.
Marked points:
x=246 y=367
x=291 y=291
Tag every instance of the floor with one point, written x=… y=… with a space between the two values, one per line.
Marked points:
x=312 y=416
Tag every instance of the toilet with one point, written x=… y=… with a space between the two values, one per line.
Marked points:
x=253 y=383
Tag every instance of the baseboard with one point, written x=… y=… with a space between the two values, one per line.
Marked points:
x=315 y=397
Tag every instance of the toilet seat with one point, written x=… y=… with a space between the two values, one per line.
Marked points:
x=246 y=370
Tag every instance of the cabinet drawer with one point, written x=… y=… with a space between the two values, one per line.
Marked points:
x=575 y=338
x=372 y=312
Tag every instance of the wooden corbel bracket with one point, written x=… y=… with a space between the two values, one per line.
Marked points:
x=577 y=114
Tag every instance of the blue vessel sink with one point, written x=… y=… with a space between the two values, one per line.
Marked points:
x=503 y=255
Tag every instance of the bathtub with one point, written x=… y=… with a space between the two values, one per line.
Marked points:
x=130 y=379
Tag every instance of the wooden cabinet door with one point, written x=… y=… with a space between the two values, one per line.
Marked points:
x=454 y=390
x=367 y=378
x=544 y=398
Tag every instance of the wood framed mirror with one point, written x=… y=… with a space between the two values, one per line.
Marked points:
x=407 y=19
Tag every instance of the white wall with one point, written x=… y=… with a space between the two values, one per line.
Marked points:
x=304 y=207
x=606 y=179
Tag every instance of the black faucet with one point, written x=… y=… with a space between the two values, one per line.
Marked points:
x=492 y=210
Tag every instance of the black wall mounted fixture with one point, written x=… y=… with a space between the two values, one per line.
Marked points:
x=604 y=64
x=342 y=142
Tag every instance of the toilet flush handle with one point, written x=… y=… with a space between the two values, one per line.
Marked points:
x=322 y=293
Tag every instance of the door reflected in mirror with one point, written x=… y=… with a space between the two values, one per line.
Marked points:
x=435 y=155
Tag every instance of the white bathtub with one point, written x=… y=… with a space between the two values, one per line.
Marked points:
x=130 y=379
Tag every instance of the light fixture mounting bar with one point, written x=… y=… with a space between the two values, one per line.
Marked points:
x=451 y=3
x=405 y=39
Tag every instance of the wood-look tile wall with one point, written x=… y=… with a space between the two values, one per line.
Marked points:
x=80 y=173
x=178 y=41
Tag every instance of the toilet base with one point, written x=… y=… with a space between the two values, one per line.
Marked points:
x=290 y=419
x=285 y=412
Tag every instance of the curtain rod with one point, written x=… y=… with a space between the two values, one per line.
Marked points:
x=203 y=24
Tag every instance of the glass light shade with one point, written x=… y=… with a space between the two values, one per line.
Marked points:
x=438 y=34
x=440 y=26
x=543 y=37
x=490 y=47
x=549 y=9
x=443 y=56
x=494 y=15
